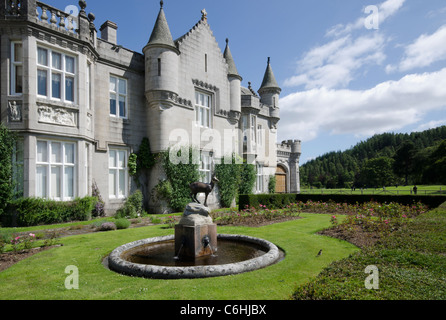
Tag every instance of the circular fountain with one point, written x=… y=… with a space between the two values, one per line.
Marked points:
x=195 y=251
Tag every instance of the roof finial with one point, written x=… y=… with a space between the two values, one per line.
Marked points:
x=204 y=15
x=161 y=3
x=227 y=41
x=269 y=60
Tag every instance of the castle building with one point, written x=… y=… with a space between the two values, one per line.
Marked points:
x=81 y=104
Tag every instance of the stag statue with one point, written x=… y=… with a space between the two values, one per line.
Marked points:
x=200 y=187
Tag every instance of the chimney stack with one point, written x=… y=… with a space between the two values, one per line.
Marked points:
x=109 y=32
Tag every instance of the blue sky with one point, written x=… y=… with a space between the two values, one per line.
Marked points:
x=346 y=74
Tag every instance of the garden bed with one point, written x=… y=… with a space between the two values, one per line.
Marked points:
x=8 y=259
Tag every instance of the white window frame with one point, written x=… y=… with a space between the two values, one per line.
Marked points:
x=206 y=167
x=115 y=169
x=245 y=129
x=203 y=109
x=117 y=97
x=259 y=180
x=260 y=135
x=52 y=71
x=49 y=164
x=14 y=66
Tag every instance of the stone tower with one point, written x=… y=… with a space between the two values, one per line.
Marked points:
x=270 y=91
x=161 y=78
x=235 y=85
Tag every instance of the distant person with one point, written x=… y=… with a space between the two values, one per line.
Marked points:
x=415 y=189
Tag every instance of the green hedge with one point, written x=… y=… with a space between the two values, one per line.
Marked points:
x=276 y=201
x=27 y=212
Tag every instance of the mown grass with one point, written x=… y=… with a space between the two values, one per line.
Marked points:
x=42 y=277
x=411 y=264
x=423 y=189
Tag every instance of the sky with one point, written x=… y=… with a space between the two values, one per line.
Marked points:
x=348 y=69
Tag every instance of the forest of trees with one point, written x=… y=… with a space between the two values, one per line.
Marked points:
x=383 y=160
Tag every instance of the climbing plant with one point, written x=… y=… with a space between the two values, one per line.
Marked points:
x=272 y=184
x=229 y=181
x=7 y=141
x=182 y=168
x=133 y=166
x=145 y=157
x=247 y=178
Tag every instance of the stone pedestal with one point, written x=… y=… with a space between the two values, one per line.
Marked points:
x=196 y=234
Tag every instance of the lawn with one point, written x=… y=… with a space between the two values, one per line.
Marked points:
x=400 y=190
x=411 y=265
x=42 y=277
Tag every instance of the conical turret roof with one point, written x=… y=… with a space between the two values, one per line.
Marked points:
x=161 y=32
x=232 y=69
x=269 y=80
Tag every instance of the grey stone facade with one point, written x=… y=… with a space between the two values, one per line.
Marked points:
x=81 y=104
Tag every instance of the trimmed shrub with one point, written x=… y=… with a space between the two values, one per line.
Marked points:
x=122 y=224
x=277 y=201
x=28 y=212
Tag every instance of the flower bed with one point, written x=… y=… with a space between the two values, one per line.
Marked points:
x=369 y=216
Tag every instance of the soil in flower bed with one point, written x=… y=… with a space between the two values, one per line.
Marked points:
x=8 y=259
x=356 y=236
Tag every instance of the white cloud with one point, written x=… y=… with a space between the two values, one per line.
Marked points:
x=335 y=63
x=425 y=51
x=388 y=106
x=386 y=9
x=338 y=62
x=431 y=125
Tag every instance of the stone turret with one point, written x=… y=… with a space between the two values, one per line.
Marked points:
x=235 y=84
x=269 y=91
x=162 y=58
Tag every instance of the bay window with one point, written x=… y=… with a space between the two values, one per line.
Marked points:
x=56 y=75
x=55 y=170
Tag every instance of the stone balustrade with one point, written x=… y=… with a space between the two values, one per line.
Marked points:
x=55 y=17
x=13 y=7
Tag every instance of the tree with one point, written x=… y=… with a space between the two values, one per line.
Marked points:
x=405 y=160
x=436 y=168
x=378 y=172
x=7 y=141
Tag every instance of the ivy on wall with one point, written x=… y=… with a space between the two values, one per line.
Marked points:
x=248 y=177
x=181 y=170
x=235 y=179
x=229 y=180
x=272 y=184
x=7 y=141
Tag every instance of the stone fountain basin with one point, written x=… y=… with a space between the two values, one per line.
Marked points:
x=117 y=263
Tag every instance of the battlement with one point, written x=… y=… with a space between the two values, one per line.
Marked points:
x=290 y=146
